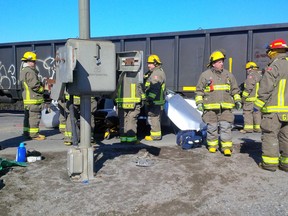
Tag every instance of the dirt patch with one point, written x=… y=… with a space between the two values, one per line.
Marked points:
x=193 y=182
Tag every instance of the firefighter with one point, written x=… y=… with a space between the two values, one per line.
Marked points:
x=129 y=98
x=65 y=126
x=273 y=102
x=68 y=134
x=217 y=93
x=252 y=118
x=32 y=97
x=63 y=115
x=155 y=90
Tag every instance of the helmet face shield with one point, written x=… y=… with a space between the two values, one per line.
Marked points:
x=272 y=53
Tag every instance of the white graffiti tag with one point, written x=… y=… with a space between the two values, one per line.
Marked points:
x=7 y=77
x=49 y=66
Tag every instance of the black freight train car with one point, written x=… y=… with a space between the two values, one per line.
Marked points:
x=184 y=54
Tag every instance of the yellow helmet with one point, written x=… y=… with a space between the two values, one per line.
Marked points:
x=251 y=65
x=29 y=56
x=154 y=59
x=215 y=56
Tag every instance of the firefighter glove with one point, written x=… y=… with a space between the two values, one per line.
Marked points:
x=238 y=105
x=200 y=107
x=143 y=102
x=149 y=101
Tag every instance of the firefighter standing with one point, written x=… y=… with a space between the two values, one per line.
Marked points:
x=32 y=96
x=68 y=134
x=129 y=102
x=217 y=93
x=63 y=114
x=155 y=89
x=65 y=125
x=273 y=101
x=252 y=118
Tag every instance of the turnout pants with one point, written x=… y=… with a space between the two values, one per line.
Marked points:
x=274 y=142
x=63 y=116
x=32 y=117
x=68 y=134
x=154 y=120
x=219 y=123
x=128 y=123
x=252 y=119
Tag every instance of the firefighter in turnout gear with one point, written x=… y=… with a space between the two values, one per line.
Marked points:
x=252 y=118
x=155 y=90
x=63 y=115
x=273 y=102
x=217 y=93
x=68 y=134
x=129 y=97
x=65 y=124
x=32 y=96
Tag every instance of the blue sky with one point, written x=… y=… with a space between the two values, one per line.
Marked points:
x=34 y=20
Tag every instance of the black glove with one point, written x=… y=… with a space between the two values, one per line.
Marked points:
x=149 y=101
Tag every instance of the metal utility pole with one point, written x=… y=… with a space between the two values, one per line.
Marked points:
x=85 y=100
x=84 y=19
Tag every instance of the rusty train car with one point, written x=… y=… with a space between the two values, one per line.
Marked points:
x=184 y=54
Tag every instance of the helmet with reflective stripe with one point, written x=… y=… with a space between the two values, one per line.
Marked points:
x=29 y=56
x=152 y=59
x=251 y=65
x=277 y=44
x=215 y=56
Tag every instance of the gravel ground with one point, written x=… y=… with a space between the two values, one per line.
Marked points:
x=193 y=182
x=180 y=182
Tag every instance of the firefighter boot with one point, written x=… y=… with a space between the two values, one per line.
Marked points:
x=283 y=168
x=270 y=168
x=148 y=138
x=212 y=150
x=227 y=152
x=39 y=137
x=257 y=130
x=67 y=143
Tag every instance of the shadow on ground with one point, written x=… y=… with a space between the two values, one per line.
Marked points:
x=252 y=148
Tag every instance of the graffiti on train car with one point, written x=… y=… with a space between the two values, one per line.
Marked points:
x=46 y=68
x=7 y=76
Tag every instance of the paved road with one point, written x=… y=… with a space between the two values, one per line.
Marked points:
x=11 y=130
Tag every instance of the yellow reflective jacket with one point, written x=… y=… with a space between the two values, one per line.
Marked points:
x=129 y=93
x=273 y=89
x=217 y=90
x=251 y=86
x=32 y=93
x=155 y=85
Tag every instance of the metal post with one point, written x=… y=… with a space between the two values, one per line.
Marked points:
x=84 y=19
x=85 y=101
